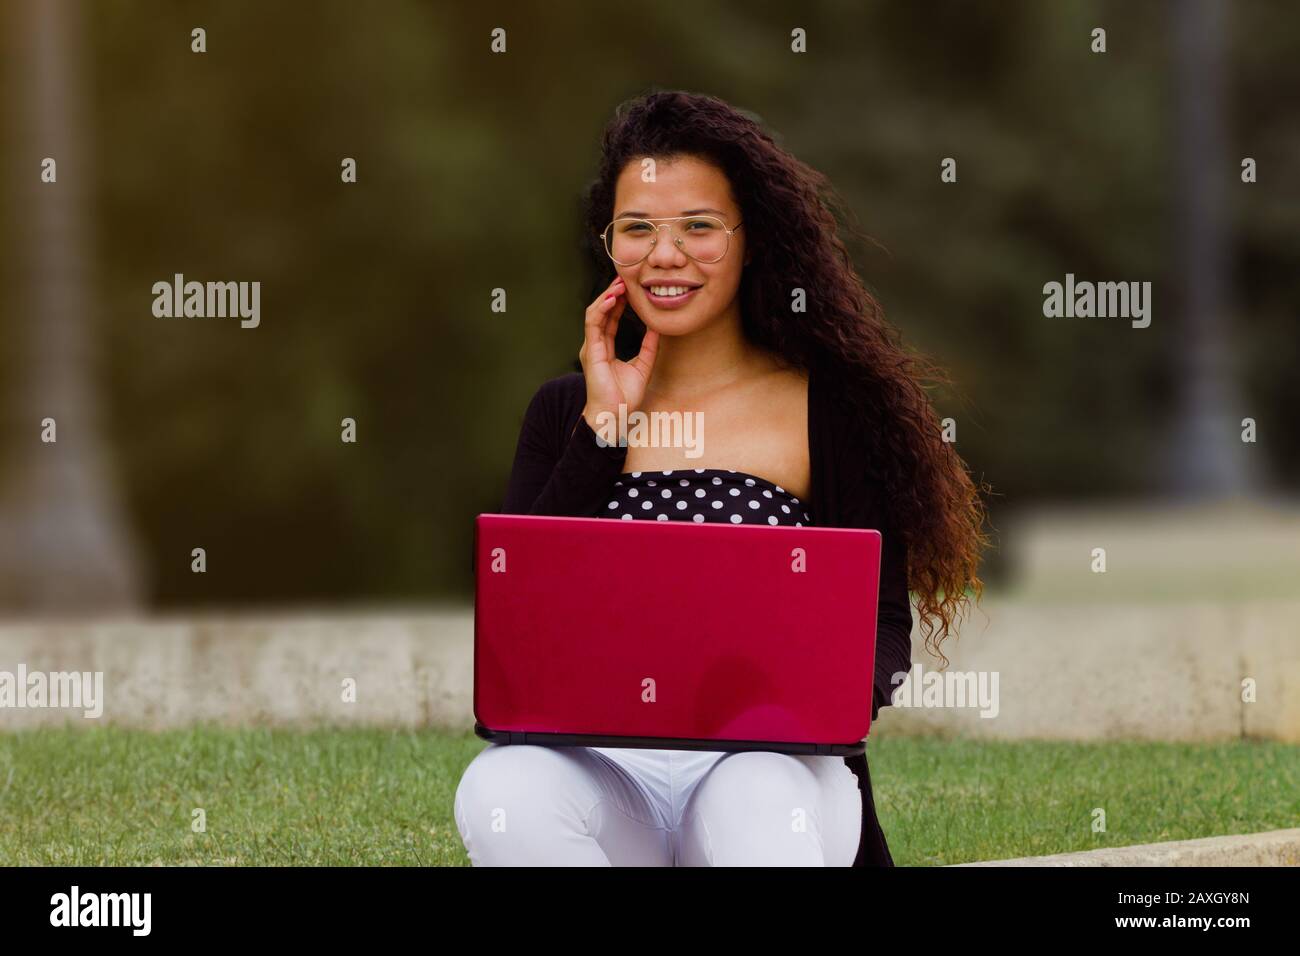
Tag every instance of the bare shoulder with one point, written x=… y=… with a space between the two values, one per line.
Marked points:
x=789 y=387
x=777 y=439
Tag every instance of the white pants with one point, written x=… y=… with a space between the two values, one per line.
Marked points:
x=527 y=805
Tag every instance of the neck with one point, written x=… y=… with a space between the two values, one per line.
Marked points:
x=707 y=359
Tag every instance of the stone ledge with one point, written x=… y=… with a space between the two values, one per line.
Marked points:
x=1272 y=848
x=1067 y=671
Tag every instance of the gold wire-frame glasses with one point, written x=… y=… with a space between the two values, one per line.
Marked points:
x=704 y=240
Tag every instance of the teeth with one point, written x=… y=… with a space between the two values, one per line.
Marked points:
x=669 y=290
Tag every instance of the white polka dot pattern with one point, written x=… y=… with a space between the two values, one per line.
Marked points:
x=703 y=495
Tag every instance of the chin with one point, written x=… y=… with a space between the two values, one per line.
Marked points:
x=671 y=323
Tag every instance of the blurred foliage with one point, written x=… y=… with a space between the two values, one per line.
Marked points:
x=375 y=296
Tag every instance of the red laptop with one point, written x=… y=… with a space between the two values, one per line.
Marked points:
x=674 y=635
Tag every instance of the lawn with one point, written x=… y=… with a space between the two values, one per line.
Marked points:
x=368 y=797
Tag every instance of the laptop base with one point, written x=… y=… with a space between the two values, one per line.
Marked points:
x=506 y=737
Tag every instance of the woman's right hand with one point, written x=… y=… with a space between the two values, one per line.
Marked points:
x=610 y=381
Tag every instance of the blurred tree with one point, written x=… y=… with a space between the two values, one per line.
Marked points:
x=1205 y=457
x=376 y=294
x=64 y=543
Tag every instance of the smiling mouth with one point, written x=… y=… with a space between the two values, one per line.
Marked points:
x=669 y=291
x=677 y=297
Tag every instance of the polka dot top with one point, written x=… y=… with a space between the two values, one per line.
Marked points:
x=714 y=495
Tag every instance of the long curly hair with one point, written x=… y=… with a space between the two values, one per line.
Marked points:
x=789 y=210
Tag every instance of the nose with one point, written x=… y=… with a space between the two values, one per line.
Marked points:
x=665 y=252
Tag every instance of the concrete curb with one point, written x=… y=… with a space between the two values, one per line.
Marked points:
x=1273 y=848
x=1065 y=671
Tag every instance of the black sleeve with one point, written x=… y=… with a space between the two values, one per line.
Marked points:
x=894 y=616
x=863 y=509
x=560 y=467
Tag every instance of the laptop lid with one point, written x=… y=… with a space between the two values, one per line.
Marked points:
x=596 y=632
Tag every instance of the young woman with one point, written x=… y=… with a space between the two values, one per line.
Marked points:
x=727 y=265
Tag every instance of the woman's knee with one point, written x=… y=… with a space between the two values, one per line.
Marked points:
x=521 y=789
x=755 y=808
x=522 y=805
x=841 y=807
x=520 y=777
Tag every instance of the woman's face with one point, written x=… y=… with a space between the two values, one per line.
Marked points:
x=683 y=186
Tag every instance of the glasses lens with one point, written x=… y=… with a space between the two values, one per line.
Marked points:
x=628 y=241
x=701 y=237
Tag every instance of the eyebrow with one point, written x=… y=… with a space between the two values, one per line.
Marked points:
x=638 y=214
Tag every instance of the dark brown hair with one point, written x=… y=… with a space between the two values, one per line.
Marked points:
x=792 y=233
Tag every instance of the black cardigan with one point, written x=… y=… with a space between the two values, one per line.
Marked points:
x=561 y=469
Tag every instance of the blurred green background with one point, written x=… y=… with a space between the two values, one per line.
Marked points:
x=376 y=295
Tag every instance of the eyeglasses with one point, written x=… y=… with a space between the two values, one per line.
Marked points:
x=703 y=238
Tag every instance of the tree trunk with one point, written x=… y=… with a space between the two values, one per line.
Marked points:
x=65 y=546
x=1207 y=458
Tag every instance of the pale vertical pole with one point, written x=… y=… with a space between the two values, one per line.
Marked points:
x=65 y=543
x=1206 y=457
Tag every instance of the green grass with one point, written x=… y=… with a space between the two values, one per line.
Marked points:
x=368 y=797
x=958 y=801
